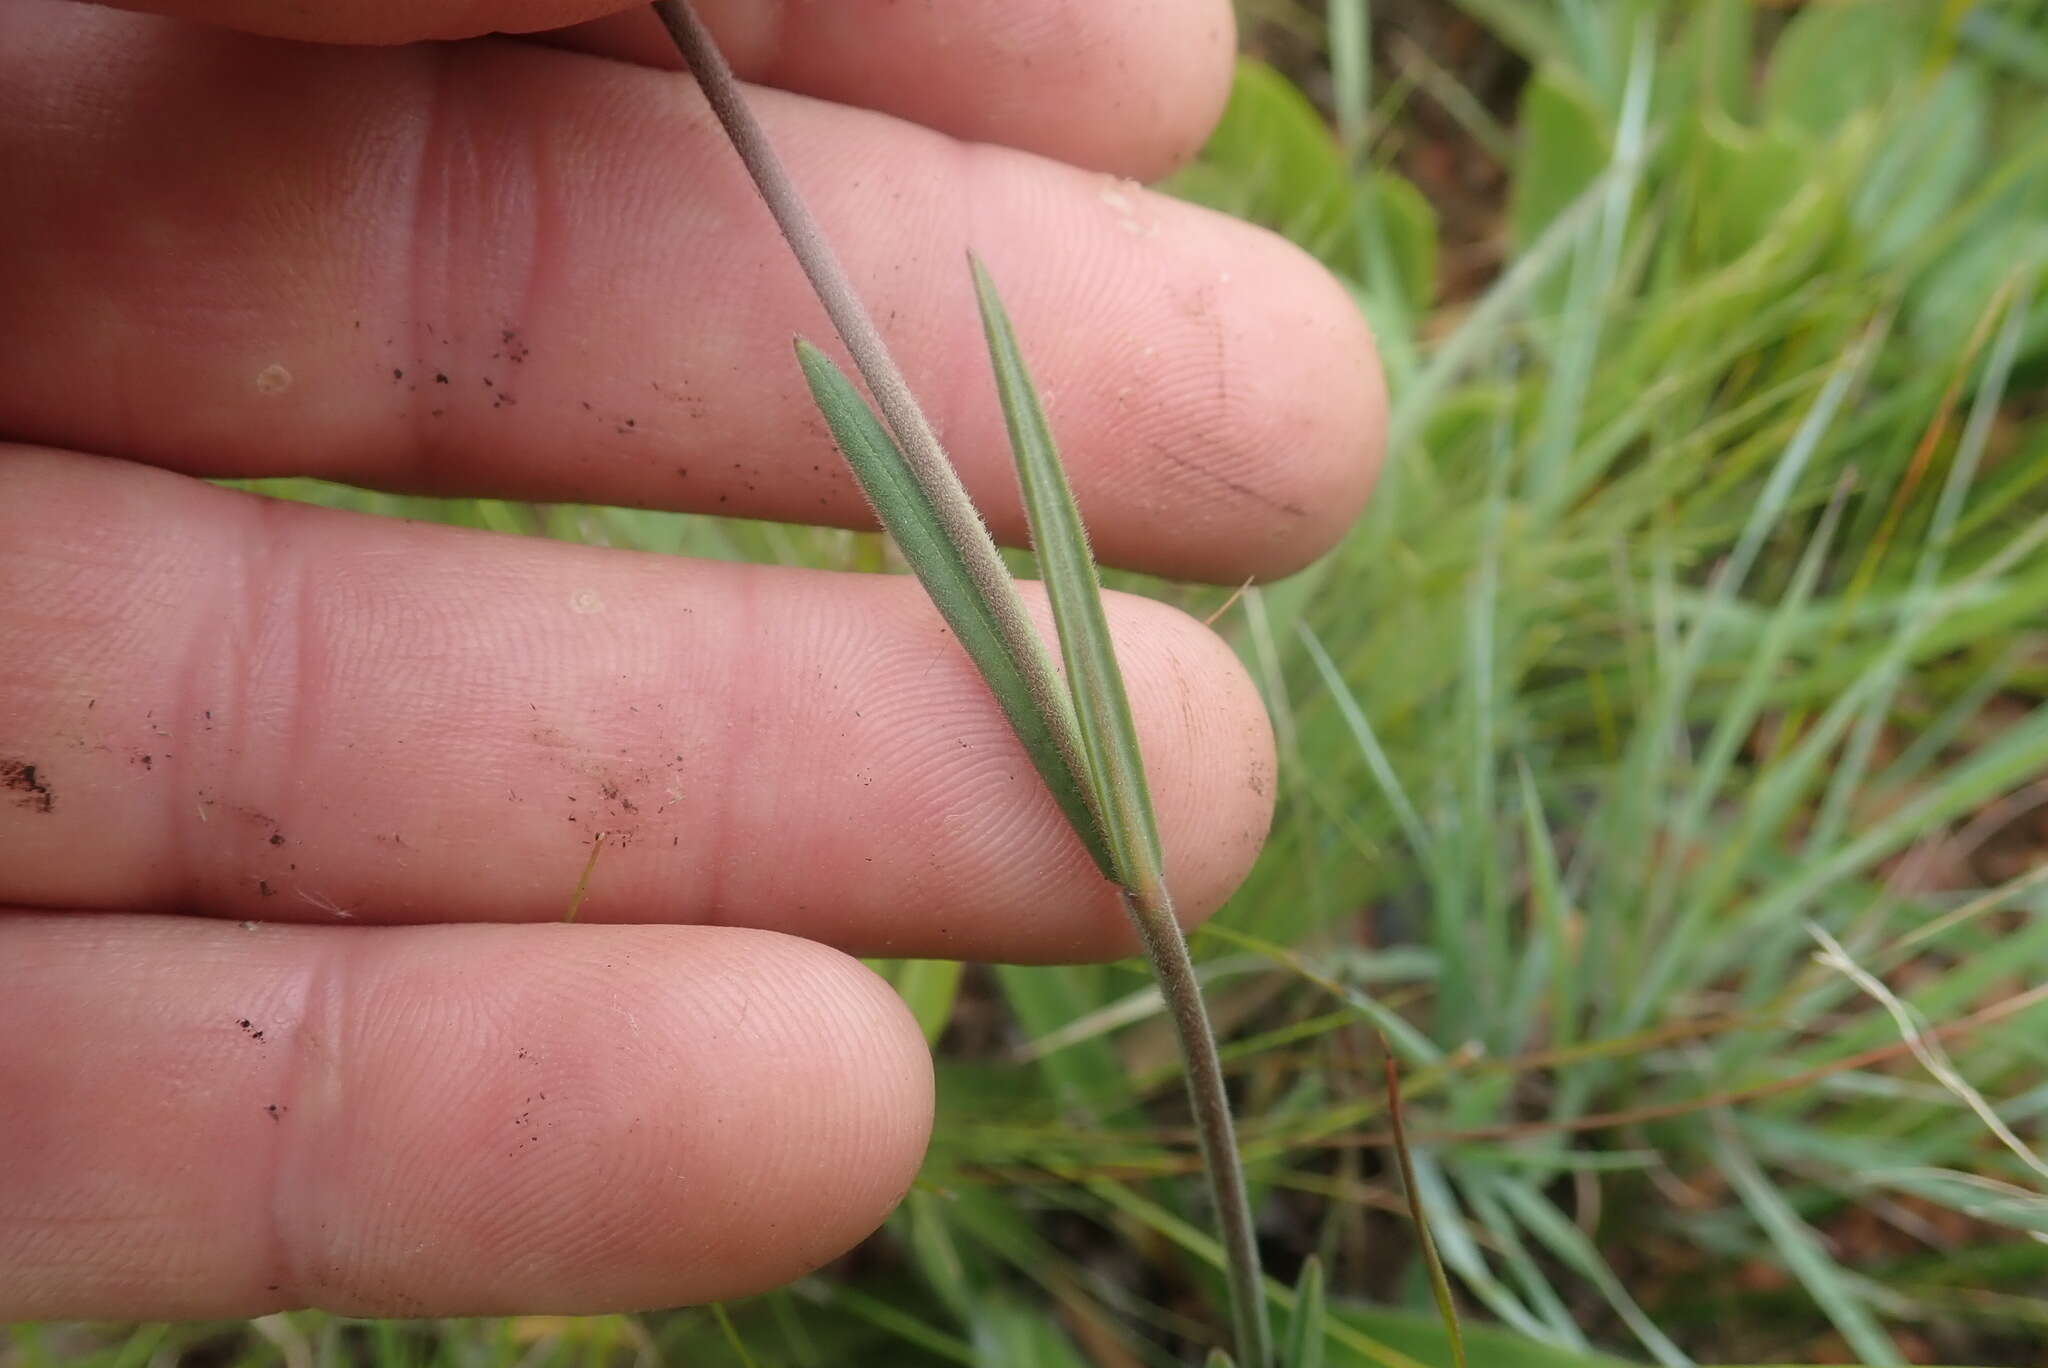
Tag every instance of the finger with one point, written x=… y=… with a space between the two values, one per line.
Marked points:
x=211 y=1121
x=500 y=269
x=393 y=21
x=1131 y=87
x=252 y=709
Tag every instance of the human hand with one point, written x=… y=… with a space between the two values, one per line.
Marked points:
x=503 y=267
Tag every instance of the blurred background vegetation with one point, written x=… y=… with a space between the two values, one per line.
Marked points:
x=1665 y=757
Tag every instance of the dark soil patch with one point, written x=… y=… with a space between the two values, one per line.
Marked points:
x=30 y=788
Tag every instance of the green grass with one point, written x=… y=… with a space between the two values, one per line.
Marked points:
x=1703 y=605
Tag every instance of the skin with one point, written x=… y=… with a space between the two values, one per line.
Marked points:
x=291 y=801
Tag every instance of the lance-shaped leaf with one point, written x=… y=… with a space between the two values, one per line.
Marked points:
x=1109 y=738
x=1308 y=1329
x=1020 y=675
x=1116 y=773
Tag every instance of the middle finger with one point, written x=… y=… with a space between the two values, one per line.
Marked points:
x=258 y=709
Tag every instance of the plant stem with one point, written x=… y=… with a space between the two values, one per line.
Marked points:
x=1152 y=909
x=1145 y=897
x=928 y=463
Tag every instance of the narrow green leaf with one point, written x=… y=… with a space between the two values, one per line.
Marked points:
x=1307 y=1330
x=1804 y=1253
x=732 y=1334
x=1109 y=739
x=1116 y=775
x=1025 y=688
x=1570 y=1244
x=1218 y=1359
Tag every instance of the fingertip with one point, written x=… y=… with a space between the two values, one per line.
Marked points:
x=1159 y=75
x=1202 y=89
x=379 y=22
x=823 y=1144
x=620 y=1118
x=1209 y=750
x=1324 y=417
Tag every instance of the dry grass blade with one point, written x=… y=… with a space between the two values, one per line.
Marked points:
x=1036 y=710
x=1439 y=1284
x=1109 y=739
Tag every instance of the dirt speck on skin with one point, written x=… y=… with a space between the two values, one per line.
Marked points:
x=249 y=1029
x=30 y=788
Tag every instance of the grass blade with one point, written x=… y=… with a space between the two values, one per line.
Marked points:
x=1439 y=1285
x=1803 y=1251
x=732 y=1335
x=1025 y=687
x=1109 y=742
x=1307 y=1328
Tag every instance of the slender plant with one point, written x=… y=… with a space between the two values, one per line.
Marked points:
x=1080 y=735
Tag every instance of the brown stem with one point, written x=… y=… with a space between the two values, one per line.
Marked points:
x=1167 y=948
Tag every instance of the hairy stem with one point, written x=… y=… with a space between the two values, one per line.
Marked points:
x=1152 y=909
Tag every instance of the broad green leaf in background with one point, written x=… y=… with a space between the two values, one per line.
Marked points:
x=928 y=988
x=1835 y=61
x=1925 y=164
x=1280 y=162
x=1408 y=226
x=1564 y=142
x=1009 y=1334
x=1745 y=179
x=1716 y=55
